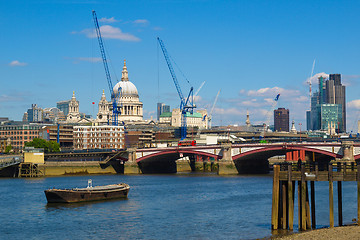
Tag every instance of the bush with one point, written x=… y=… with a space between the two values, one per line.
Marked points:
x=48 y=146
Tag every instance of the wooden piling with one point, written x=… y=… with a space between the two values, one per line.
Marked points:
x=307 y=206
x=313 y=217
x=331 y=197
x=284 y=205
x=339 y=189
x=275 y=199
x=358 y=193
x=303 y=198
x=290 y=198
x=299 y=205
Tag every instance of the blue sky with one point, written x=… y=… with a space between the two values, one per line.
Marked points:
x=251 y=50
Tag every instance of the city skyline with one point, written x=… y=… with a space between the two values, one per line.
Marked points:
x=250 y=50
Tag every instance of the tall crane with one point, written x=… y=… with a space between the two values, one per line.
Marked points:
x=186 y=104
x=268 y=116
x=212 y=108
x=115 y=109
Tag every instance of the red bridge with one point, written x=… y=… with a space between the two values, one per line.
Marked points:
x=246 y=158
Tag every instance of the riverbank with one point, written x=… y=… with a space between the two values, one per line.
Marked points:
x=345 y=232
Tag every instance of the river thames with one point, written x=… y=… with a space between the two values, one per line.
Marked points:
x=158 y=207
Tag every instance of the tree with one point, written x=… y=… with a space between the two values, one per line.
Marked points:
x=48 y=146
x=8 y=148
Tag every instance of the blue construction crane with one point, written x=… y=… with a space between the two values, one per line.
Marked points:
x=115 y=109
x=186 y=105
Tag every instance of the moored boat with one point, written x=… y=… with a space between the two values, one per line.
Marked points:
x=89 y=193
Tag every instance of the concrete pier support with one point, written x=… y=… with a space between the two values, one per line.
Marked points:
x=131 y=168
x=348 y=150
x=226 y=164
x=227 y=168
x=183 y=166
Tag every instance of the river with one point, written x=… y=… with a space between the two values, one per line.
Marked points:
x=179 y=206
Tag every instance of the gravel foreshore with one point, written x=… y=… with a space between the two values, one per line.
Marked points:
x=346 y=232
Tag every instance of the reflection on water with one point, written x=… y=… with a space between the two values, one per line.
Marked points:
x=158 y=207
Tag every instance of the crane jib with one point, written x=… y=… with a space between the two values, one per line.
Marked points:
x=116 y=109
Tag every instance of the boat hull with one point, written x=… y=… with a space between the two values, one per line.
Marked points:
x=85 y=195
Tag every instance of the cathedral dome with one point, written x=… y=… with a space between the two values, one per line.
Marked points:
x=128 y=89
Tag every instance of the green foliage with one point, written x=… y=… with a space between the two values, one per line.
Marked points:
x=263 y=141
x=48 y=146
x=8 y=148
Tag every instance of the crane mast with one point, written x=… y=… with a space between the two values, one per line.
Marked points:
x=212 y=108
x=186 y=105
x=115 y=109
x=266 y=123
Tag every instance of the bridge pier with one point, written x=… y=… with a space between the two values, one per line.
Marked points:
x=348 y=150
x=131 y=166
x=185 y=166
x=226 y=164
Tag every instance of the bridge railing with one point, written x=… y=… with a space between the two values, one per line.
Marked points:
x=9 y=161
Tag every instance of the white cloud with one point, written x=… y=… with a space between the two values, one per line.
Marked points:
x=87 y=59
x=141 y=22
x=111 y=32
x=314 y=79
x=108 y=20
x=354 y=104
x=272 y=92
x=16 y=63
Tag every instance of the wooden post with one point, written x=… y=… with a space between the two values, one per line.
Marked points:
x=303 y=198
x=313 y=218
x=275 y=199
x=331 y=196
x=358 y=193
x=340 y=203
x=284 y=205
x=308 y=221
x=299 y=205
x=290 y=198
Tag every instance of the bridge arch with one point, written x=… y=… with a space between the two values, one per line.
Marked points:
x=281 y=150
x=165 y=161
x=256 y=161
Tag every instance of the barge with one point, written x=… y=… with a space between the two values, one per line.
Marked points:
x=89 y=193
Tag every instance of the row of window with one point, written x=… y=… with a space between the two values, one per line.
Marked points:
x=98 y=129
x=99 y=135
x=18 y=132
x=98 y=140
x=19 y=128
x=92 y=146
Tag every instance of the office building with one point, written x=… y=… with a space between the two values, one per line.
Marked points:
x=19 y=133
x=162 y=108
x=281 y=120
x=98 y=137
x=325 y=104
x=34 y=114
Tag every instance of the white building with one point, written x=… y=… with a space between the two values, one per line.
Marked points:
x=73 y=116
x=197 y=119
x=98 y=137
x=131 y=109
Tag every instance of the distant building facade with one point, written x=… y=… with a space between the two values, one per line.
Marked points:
x=281 y=120
x=19 y=134
x=34 y=114
x=197 y=119
x=63 y=132
x=162 y=108
x=328 y=106
x=98 y=137
x=63 y=106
